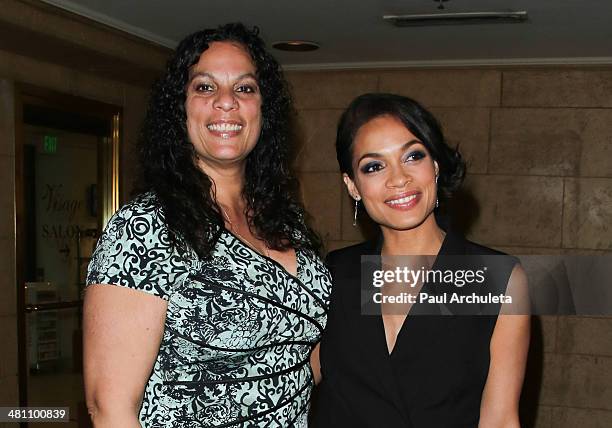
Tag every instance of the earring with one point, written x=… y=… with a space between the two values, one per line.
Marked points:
x=356 y=209
x=437 y=201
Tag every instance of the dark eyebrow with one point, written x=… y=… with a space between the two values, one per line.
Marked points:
x=378 y=155
x=205 y=74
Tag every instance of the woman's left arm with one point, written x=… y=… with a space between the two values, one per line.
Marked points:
x=509 y=345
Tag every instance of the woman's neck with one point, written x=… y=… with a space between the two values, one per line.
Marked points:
x=228 y=185
x=425 y=239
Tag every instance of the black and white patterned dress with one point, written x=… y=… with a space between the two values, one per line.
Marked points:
x=239 y=328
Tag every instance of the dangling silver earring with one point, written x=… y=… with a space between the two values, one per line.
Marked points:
x=355 y=215
x=437 y=201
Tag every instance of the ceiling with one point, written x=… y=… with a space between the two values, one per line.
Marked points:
x=352 y=33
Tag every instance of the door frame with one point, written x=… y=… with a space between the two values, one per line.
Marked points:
x=27 y=94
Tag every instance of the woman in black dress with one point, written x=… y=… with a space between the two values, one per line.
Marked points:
x=393 y=370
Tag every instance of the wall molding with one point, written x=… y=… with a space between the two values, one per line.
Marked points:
x=459 y=63
x=111 y=22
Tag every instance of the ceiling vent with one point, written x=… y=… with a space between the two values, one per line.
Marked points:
x=456 y=18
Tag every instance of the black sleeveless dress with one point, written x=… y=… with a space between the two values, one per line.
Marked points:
x=435 y=376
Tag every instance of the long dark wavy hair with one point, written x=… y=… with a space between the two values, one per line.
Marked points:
x=168 y=159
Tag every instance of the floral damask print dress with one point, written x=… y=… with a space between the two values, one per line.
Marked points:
x=239 y=328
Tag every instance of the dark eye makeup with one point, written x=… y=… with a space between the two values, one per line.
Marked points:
x=375 y=166
x=370 y=167
x=416 y=155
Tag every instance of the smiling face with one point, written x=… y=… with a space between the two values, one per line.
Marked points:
x=223 y=105
x=394 y=174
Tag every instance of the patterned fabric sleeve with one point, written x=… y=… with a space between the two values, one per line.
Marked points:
x=135 y=251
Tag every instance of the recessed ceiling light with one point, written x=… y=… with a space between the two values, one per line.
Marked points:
x=296 y=46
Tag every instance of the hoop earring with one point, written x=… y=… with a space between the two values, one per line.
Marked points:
x=355 y=215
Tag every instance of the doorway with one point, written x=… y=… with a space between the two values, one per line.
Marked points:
x=67 y=186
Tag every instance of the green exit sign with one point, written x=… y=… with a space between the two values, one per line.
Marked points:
x=50 y=144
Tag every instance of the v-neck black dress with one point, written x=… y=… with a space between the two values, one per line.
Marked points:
x=435 y=376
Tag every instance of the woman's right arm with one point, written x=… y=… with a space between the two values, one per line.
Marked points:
x=122 y=332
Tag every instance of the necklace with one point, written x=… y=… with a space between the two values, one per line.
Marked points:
x=266 y=251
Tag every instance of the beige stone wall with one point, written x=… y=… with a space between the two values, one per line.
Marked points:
x=539 y=148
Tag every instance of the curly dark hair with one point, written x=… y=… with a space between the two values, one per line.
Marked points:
x=417 y=120
x=168 y=159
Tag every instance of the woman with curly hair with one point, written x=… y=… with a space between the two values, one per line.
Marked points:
x=391 y=356
x=217 y=295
